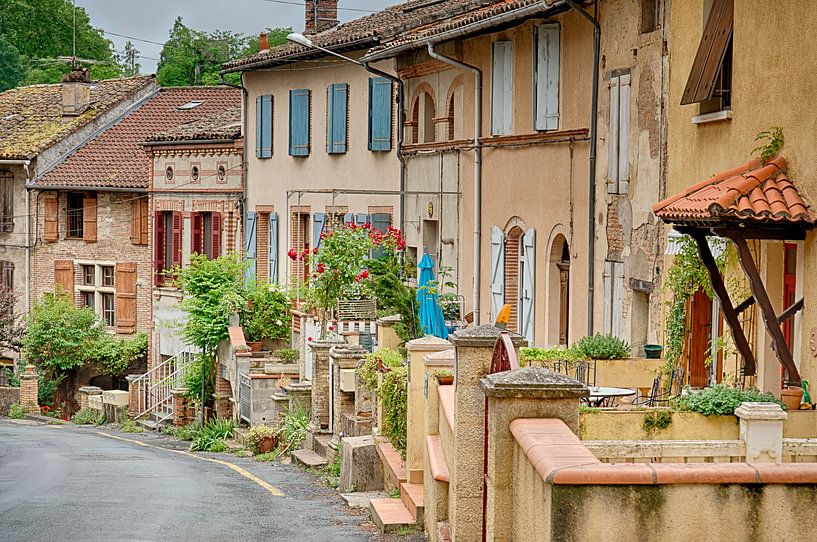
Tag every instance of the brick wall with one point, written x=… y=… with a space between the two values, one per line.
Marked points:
x=615 y=231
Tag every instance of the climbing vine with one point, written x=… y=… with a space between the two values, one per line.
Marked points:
x=775 y=138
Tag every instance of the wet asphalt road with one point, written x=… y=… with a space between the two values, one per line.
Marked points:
x=68 y=483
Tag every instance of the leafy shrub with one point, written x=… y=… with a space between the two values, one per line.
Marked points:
x=269 y=314
x=533 y=353
x=394 y=394
x=129 y=425
x=657 y=420
x=210 y=437
x=88 y=416
x=367 y=371
x=287 y=355
x=114 y=356
x=201 y=367
x=722 y=400
x=293 y=429
x=602 y=347
x=256 y=436
x=17 y=411
x=184 y=432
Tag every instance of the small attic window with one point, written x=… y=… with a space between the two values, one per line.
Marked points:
x=190 y=105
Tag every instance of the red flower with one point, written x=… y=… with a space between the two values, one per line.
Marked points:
x=331 y=328
x=320 y=268
x=315 y=250
x=292 y=254
x=309 y=339
x=314 y=275
x=362 y=275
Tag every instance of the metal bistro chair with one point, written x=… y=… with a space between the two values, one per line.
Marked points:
x=584 y=371
x=657 y=397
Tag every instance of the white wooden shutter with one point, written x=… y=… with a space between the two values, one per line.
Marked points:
x=618 y=163
x=497 y=271
x=528 y=285
x=547 y=77
x=273 y=247
x=612 y=140
x=502 y=88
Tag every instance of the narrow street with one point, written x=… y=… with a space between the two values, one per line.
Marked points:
x=68 y=483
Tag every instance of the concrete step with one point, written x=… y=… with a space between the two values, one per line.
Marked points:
x=393 y=466
x=390 y=514
x=240 y=436
x=361 y=499
x=320 y=444
x=412 y=497
x=308 y=458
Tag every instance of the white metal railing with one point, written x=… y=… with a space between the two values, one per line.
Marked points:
x=154 y=388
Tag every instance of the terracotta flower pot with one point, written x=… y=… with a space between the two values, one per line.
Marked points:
x=445 y=380
x=255 y=346
x=267 y=444
x=791 y=397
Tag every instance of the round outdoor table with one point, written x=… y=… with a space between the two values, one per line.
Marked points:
x=598 y=395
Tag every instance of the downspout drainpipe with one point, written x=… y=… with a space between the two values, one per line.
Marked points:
x=594 y=106
x=477 y=168
x=401 y=115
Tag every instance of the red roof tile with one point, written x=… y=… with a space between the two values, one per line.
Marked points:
x=755 y=192
x=116 y=159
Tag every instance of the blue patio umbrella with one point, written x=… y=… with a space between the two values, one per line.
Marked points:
x=431 y=314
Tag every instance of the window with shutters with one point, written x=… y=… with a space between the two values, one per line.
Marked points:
x=74 y=212
x=300 y=237
x=613 y=292
x=167 y=245
x=380 y=114
x=300 y=117
x=546 y=114
x=263 y=126
x=6 y=201
x=502 y=88
x=710 y=78
x=7 y=274
x=337 y=117
x=97 y=290
x=206 y=234
x=618 y=156
x=651 y=15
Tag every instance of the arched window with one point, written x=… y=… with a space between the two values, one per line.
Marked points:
x=422 y=116
x=428 y=118
x=451 y=118
x=559 y=292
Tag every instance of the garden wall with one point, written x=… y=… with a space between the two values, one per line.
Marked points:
x=8 y=396
x=627 y=373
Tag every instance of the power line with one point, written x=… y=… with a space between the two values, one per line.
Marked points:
x=301 y=4
x=131 y=37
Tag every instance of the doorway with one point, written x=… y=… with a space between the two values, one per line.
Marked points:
x=703 y=359
x=789 y=296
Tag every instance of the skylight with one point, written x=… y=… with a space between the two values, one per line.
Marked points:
x=190 y=105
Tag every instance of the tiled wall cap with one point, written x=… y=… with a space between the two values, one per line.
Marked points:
x=299 y=387
x=91 y=390
x=442 y=358
x=760 y=411
x=484 y=335
x=325 y=344
x=533 y=382
x=347 y=351
x=429 y=342
x=389 y=320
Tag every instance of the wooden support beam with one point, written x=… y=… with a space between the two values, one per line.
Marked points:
x=720 y=292
x=745 y=304
x=791 y=311
x=781 y=349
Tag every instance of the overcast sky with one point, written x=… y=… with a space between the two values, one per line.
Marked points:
x=152 y=19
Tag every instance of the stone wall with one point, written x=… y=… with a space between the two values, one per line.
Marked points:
x=8 y=396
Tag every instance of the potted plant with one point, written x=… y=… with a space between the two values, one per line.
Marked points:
x=262 y=439
x=267 y=316
x=444 y=378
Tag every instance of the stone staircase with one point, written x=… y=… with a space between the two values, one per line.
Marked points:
x=407 y=511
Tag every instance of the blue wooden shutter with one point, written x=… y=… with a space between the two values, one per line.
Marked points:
x=266 y=126
x=318 y=225
x=348 y=218
x=380 y=114
x=336 y=117
x=299 y=113
x=497 y=271
x=250 y=254
x=361 y=219
x=273 y=247
x=502 y=88
x=547 y=77
x=259 y=122
x=380 y=221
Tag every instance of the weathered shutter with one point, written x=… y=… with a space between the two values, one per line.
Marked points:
x=528 y=285
x=252 y=218
x=8 y=275
x=623 y=133
x=706 y=66
x=336 y=111
x=158 y=248
x=547 y=77
x=196 y=236
x=273 y=247
x=144 y=237
x=380 y=114
x=607 y=278
x=612 y=140
x=215 y=223
x=50 y=219
x=89 y=219
x=299 y=122
x=177 y=239
x=263 y=128
x=348 y=218
x=497 y=271
x=125 y=309
x=318 y=225
x=64 y=276
x=139 y=221
x=502 y=88
x=380 y=221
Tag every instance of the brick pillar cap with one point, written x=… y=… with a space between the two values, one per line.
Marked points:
x=324 y=343
x=760 y=411
x=348 y=351
x=532 y=382
x=429 y=342
x=484 y=336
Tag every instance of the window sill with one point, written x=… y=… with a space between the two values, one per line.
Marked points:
x=717 y=116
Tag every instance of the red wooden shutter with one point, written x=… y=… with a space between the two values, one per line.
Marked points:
x=177 y=239
x=196 y=244
x=216 y=225
x=89 y=219
x=159 y=248
x=708 y=59
x=64 y=276
x=51 y=212
x=125 y=281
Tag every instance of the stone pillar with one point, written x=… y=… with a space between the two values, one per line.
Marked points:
x=365 y=402
x=415 y=423
x=761 y=428
x=182 y=412
x=87 y=391
x=436 y=363
x=532 y=392
x=135 y=392
x=474 y=349
x=386 y=336
x=319 y=420
x=29 y=389
x=344 y=358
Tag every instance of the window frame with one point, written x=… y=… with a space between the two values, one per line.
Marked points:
x=75 y=214
x=99 y=290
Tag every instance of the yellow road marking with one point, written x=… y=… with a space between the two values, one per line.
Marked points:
x=246 y=474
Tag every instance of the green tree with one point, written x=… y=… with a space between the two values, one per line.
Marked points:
x=11 y=66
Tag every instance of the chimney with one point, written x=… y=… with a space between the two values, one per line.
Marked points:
x=263 y=42
x=320 y=15
x=76 y=92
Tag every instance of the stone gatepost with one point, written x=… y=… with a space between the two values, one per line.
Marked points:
x=300 y=396
x=344 y=361
x=436 y=363
x=531 y=392
x=474 y=349
x=761 y=429
x=135 y=392
x=85 y=392
x=29 y=389
x=319 y=420
x=415 y=424
x=386 y=336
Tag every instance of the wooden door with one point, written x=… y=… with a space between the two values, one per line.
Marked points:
x=699 y=339
x=789 y=287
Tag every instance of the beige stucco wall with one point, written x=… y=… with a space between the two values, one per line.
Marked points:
x=772 y=86
x=268 y=180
